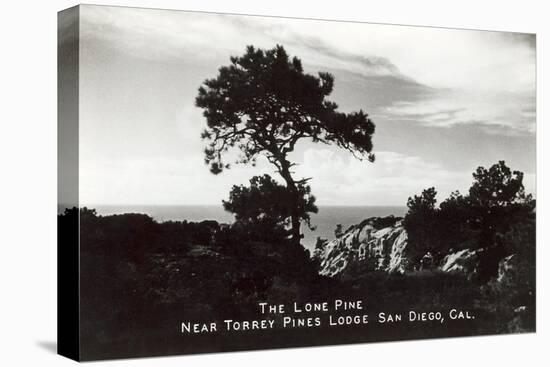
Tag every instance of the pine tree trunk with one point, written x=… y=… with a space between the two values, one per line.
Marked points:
x=295 y=215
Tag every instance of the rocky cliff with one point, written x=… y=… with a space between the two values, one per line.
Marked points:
x=380 y=244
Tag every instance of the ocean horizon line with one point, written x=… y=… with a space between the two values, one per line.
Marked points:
x=326 y=219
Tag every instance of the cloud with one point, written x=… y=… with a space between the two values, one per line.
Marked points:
x=140 y=131
x=440 y=58
x=390 y=180
x=487 y=77
x=502 y=113
x=339 y=179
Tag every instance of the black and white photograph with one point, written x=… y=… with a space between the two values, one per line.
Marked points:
x=243 y=182
x=274 y=183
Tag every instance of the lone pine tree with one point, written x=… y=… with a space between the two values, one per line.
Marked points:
x=263 y=103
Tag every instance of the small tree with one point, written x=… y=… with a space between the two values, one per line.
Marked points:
x=496 y=203
x=263 y=103
x=498 y=199
x=498 y=186
x=419 y=221
x=453 y=224
x=267 y=205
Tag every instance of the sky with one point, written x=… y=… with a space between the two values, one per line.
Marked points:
x=444 y=102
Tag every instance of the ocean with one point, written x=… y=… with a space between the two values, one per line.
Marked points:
x=325 y=221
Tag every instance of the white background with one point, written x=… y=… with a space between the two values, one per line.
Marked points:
x=28 y=184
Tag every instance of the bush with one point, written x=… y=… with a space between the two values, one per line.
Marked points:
x=495 y=204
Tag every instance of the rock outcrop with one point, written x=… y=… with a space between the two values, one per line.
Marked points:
x=464 y=261
x=380 y=242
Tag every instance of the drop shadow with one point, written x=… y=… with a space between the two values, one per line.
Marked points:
x=50 y=346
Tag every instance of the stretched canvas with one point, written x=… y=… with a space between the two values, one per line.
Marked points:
x=232 y=182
